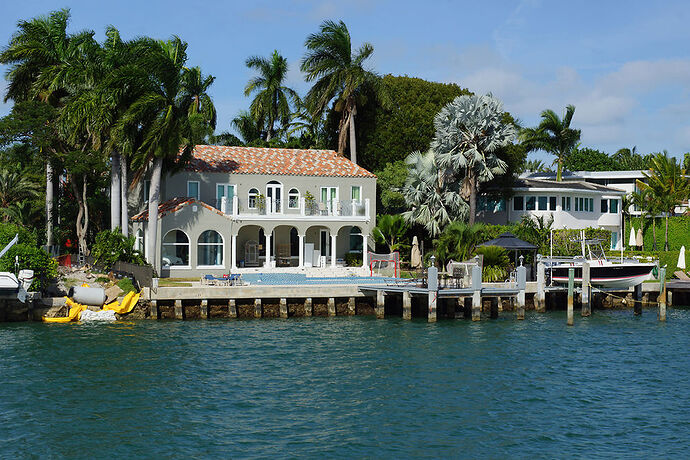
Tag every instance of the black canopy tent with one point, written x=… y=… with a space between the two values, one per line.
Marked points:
x=510 y=242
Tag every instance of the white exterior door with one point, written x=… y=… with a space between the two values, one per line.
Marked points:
x=274 y=195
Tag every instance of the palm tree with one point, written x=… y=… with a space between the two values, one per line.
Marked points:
x=390 y=230
x=271 y=104
x=669 y=185
x=553 y=135
x=339 y=74
x=42 y=66
x=433 y=197
x=469 y=131
x=14 y=188
x=247 y=127
x=458 y=241
x=169 y=128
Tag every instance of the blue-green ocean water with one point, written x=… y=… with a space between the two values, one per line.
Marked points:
x=611 y=386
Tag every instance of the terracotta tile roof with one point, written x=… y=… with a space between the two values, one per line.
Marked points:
x=173 y=205
x=286 y=162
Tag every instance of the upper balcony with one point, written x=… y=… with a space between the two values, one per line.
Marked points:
x=294 y=209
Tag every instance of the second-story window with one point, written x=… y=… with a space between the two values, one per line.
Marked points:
x=356 y=194
x=253 y=198
x=293 y=198
x=565 y=203
x=543 y=201
x=193 y=189
x=613 y=206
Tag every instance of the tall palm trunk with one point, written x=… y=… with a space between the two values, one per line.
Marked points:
x=154 y=199
x=342 y=132
x=642 y=227
x=124 y=217
x=654 y=233
x=559 y=173
x=115 y=181
x=49 y=204
x=353 y=140
x=82 y=223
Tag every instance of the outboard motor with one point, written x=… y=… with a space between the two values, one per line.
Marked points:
x=26 y=278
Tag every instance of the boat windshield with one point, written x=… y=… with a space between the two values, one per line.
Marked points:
x=596 y=251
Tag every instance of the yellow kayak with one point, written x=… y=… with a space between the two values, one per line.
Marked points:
x=128 y=303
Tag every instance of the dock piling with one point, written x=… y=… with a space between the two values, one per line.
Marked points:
x=477 y=294
x=432 y=284
x=522 y=286
x=494 y=307
x=662 y=294
x=258 y=310
x=637 y=308
x=153 y=309
x=540 y=296
x=283 y=308
x=351 y=310
x=331 y=306
x=308 y=307
x=407 y=305
x=571 y=289
x=179 y=311
x=204 y=308
x=586 y=290
x=232 y=308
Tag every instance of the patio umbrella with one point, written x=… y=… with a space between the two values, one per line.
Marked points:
x=681 y=258
x=416 y=256
x=639 y=241
x=631 y=242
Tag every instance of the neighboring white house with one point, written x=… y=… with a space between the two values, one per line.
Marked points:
x=573 y=204
x=234 y=207
x=623 y=180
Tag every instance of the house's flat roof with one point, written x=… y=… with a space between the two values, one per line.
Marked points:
x=570 y=185
x=285 y=162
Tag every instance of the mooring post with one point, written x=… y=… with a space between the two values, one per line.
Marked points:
x=204 y=308
x=307 y=307
x=407 y=305
x=662 y=294
x=669 y=298
x=331 y=306
x=153 y=310
x=258 y=310
x=586 y=290
x=540 y=296
x=351 y=306
x=500 y=304
x=522 y=286
x=283 y=308
x=380 y=310
x=571 y=289
x=637 y=299
x=432 y=284
x=179 y=311
x=477 y=294
x=232 y=308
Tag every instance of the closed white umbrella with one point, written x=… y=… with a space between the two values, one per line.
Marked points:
x=681 y=258
x=416 y=256
x=631 y=241
x=639 y=239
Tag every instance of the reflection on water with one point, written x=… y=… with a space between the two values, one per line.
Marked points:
x=613 y=385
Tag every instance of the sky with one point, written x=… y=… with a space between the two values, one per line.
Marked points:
x=625 y=65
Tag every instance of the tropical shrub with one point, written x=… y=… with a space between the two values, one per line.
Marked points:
x=496 y=264
x=112 y=246
x=459 y=240
x=126 y=285
x=353 y=259
x=28 y=255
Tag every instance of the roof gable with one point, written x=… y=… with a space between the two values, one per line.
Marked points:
x=288 y=162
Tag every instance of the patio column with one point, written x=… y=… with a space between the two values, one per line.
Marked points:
x=233 y=253
x=365 y=250
x=301 y=251
x=267 y=262
x=333 y=238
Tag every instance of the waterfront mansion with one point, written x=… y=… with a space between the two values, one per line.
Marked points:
x=234 y=207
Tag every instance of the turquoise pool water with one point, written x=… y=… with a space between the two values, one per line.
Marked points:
x=611 y=386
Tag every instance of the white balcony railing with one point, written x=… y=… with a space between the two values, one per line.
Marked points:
x=261 y=206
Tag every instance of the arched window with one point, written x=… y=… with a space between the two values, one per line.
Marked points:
x=175 y=249
x=293 y=198
x=210 y=249
x=253 y=198
x=356 y=240
x=139 y=242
